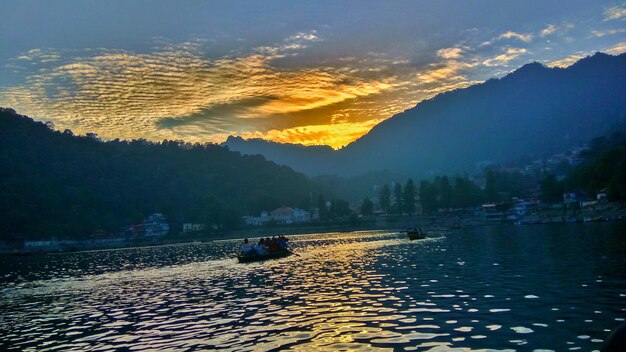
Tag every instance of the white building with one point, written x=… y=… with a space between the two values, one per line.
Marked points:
x=257 y=220
x=283 y=215
x=156 y=225
x=191 y=227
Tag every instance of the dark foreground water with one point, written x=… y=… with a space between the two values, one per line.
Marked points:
x=543 y=287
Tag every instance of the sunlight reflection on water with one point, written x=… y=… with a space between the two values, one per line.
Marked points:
x=356 y=291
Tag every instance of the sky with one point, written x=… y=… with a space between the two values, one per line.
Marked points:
x=314 y=73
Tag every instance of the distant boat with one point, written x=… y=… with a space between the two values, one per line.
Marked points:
x=259 y=258
x=415 y=234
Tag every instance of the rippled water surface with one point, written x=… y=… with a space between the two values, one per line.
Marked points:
x=554 y=287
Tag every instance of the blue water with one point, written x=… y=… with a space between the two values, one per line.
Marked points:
x=541 y=287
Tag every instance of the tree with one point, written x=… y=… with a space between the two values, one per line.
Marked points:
x=385 y=198
x=490 y=186
x=446 y=192
x=428 y=196
x=409 y=197
x=367 y=207
x=465 y=193
x=551 y=190
x=339 y=208
x=321 y=205
x=397 y=195
x=76 y=185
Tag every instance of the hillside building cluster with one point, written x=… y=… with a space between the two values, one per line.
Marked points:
x=282 y=216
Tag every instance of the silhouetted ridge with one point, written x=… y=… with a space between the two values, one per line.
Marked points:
x=58 y=184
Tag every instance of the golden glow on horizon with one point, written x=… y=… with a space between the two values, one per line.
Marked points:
x=334 y=135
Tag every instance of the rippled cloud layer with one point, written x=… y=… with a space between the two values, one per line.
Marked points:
x=305 y=88
x=175 y=92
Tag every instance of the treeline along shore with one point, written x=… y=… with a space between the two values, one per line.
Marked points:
x=68 y=192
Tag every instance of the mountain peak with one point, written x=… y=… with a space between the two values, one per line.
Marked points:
x=533 y=68
x=532 y=111
x=596 y=59
x=232 y=139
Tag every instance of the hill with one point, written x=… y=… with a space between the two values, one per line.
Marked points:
x=55 y=184
x=531 y=112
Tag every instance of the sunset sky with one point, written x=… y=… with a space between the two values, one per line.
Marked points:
x=321 y=72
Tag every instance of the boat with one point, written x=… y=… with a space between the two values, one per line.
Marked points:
x=259 y=258
x=415 y=234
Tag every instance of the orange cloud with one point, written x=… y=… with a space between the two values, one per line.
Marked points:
x=508 y=55
x=174 y=92
x=334 y=135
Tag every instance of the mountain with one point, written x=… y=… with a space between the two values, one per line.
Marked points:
x=57 y=184
x=531 y=112
x=307 y=159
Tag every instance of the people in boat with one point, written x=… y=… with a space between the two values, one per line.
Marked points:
x=271 y=244
x=260 y=248
x=247 y=248
x=282 y=242
x=265 y=246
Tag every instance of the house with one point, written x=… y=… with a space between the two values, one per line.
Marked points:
x=283 y=215
x=191 y=227
x=491 y=212
x=134 y=230
x=588 y=203
x=524 y=207
x=257 y=220
x=579 y=199
x=601 y=196
x=570 y=198
x=156 y=225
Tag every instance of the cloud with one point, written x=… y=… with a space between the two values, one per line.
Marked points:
x=281 y=91
x=502 y=59
x=550 y=29
x=291 y=45
x=450 y=53
x=38 y=56
x=336 y=135
x=174 y=92
x=614 y=13
x=555 y=29
x=445 y=71
x=566 y=62
x=110 y=92
x=616 y=49
x=527 y=38
x=600 y=33
x=310 y=36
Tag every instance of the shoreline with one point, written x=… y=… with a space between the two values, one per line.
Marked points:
x=440 y=221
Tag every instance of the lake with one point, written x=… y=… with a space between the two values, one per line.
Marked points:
x=540 y=287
